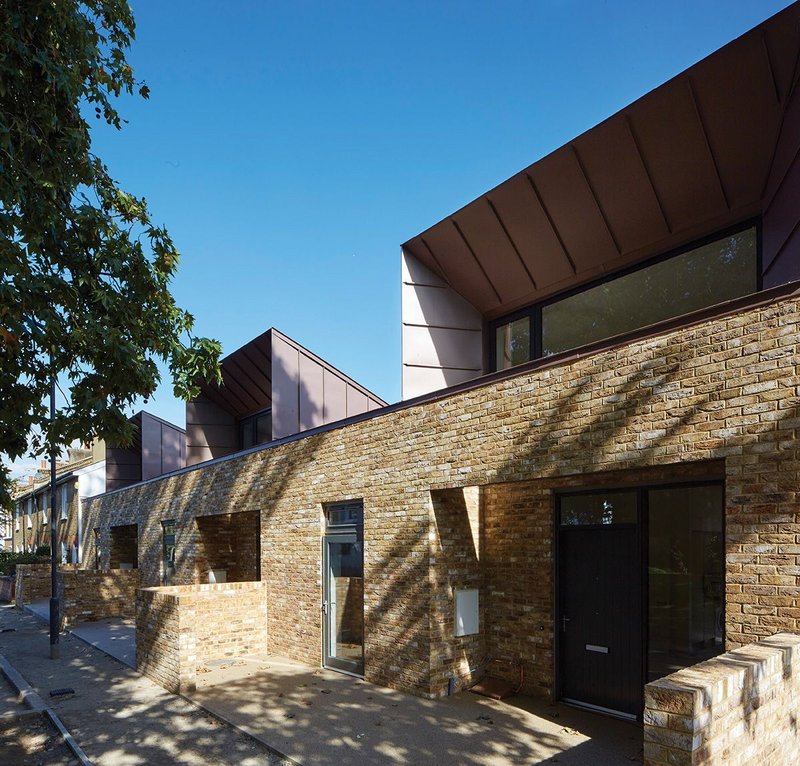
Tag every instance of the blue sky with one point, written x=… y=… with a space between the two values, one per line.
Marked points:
x=290 y=148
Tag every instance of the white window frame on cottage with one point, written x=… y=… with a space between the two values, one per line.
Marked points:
x=64 y=502
x=63 y=552
x=17 y=514
x=45 y=504
x=30 y=512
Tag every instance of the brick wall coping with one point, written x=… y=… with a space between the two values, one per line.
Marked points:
x=182 y=594
x=733 y=710
x=763 y=298
x=101 y=572
x=703 y=685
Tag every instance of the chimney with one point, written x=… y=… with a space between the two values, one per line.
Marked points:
x=44 y=464
x=30 y=481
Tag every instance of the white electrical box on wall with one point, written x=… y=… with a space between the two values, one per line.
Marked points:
x=467 y=620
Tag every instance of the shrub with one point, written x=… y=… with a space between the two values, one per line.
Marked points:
x=9 y=561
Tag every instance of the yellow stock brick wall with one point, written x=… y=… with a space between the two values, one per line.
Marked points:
x=738 y=709
x=722 y=390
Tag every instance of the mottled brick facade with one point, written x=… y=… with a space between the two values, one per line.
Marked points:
x=716 y=398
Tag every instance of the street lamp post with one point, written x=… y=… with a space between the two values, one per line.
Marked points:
x=54 y=601
x=55 y=606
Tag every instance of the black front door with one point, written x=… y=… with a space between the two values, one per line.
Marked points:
x=600 y=601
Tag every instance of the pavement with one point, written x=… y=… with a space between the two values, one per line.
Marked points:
x=318 y=717
x=118 y=717
x=311 y=716
x=113 y=635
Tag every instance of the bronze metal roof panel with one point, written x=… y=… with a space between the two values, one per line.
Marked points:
x=739 y=75
x=609 y=154
x=569 y=200
x=537 y=241
x=676 y=153
x=495 y=251
x=460 y=266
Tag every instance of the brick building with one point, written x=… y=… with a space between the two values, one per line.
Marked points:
x=595 y=470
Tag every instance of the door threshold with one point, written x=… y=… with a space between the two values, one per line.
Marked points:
x=600 y=709
x=346 y=672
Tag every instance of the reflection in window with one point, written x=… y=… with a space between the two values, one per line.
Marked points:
x=686 y=577
x=598 y=508
x=694 y=279
x=513 y=343
x=255 y=429
x=705 y=276
x=168 y=531
x=339 y=514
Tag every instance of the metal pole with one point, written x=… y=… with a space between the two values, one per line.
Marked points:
x=54 y=604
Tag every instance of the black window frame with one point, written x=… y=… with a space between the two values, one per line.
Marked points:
x=534 y=310
x=251 y=421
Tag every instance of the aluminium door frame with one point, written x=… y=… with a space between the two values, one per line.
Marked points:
x=325 y=609
x=643 y=525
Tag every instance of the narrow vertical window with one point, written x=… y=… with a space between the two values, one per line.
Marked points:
x=168 y=532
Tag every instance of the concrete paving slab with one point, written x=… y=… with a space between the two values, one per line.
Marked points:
x=113 y=635
x=318 y=717
x=40 y=608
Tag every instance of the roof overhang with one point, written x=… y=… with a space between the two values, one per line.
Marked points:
x=247 y=376
x=693 y=156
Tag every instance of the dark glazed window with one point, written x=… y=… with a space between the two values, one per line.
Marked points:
x=598 y=508
x=513 y=343
x=703 y=276
x=350 y=513
x=686 y=577
x=168 y=532
x=255 y=429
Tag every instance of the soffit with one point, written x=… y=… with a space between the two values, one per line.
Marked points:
x=694 y=154
x=246 y=379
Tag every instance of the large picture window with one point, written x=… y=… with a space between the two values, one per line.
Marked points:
x=701 y=276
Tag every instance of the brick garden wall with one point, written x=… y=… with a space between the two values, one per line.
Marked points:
x=89 y=595
x=739 y=708
x=33 y=583
x=178 y=628
x=86 y=595
x=723 y=390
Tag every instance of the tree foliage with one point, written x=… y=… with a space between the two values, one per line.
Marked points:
x=84 y=272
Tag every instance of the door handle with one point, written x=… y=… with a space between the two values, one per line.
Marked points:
x=325 y=607
x=564 y=621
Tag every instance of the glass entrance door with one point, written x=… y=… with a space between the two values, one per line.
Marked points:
x=343 y=597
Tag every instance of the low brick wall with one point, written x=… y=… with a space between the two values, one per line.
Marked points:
x=86 y=595
x=739 y=708
x=7 y=588
x=89 y=595
x=33 y=583
x=180 y=627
